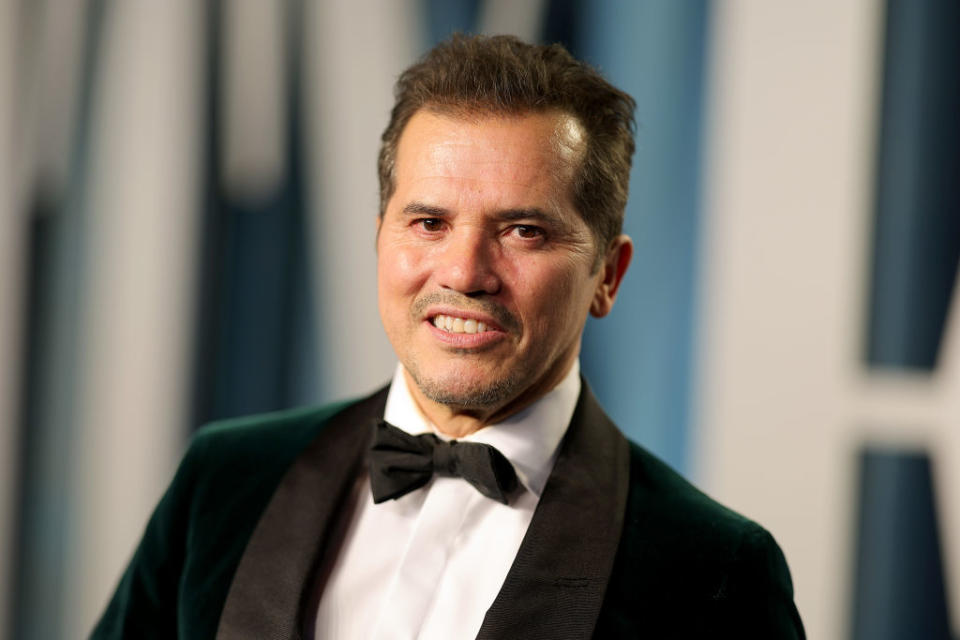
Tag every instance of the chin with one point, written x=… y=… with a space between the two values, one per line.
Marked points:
x=466 y=393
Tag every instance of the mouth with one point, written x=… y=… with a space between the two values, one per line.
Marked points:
x=464 y=330
x=456 y=324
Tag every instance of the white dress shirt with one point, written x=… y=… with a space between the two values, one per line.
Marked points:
x=429 y=564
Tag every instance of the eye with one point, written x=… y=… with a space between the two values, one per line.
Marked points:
x=529 y=232
x=431 y=225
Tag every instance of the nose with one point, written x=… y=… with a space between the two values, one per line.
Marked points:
x=467 y=263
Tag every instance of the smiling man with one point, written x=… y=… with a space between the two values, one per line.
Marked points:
x=483 y=493
x=486 y=271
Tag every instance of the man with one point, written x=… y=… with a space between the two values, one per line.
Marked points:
x=524 y=513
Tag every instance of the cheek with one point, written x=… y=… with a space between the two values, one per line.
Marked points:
x=400 y=271
x=547 y=293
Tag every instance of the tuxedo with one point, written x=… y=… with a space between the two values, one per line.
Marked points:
x=620 y=546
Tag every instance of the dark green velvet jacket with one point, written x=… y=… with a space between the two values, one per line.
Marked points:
x=620 y=546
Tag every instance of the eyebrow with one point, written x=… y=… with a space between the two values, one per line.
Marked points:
x=507 y=215
x=527 y=214
x=420 y=209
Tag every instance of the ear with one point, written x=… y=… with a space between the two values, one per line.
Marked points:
x=614 y=266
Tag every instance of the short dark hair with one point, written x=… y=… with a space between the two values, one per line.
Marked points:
x=504 y=75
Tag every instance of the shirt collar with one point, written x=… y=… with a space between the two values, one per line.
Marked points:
x=529 y=439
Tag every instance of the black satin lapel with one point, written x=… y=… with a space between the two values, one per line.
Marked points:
x=556 y=584
x=265 y=596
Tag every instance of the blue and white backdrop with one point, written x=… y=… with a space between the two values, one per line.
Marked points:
x=187 y=203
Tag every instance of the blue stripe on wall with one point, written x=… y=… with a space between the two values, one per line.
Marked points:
x=57 y=280
x=255 y=346
x=917 y=235
x=899 y=587
x=899 y=581
x=639 y=359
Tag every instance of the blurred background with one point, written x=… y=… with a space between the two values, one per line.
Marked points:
x=187 y=203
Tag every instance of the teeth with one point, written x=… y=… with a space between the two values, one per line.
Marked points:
x=458 y=325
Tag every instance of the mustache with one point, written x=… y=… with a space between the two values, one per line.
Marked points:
x=504 y=318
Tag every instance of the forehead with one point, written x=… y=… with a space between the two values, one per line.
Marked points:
x=535 y=153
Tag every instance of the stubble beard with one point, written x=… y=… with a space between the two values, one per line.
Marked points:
x=488 y=397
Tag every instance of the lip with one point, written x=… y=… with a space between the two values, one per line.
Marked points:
x=465 y=340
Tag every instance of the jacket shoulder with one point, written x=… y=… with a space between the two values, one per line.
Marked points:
x=177 y=580
x=661 y=500
x=233 y=466
x=687 y=565
x=260 y=439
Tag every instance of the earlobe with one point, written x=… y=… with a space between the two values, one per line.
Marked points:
x=613 y=269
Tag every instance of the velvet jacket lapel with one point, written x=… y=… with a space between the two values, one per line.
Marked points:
x=556 y=585
x=554 y=588
x=266 y=595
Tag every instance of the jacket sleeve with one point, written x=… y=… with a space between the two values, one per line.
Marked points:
x=760 y=598
x=145 y=602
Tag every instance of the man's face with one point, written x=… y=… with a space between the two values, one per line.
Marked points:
x=484 y=268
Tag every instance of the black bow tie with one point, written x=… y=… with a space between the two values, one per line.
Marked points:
x=400 y=463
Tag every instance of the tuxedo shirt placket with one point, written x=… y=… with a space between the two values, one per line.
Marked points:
x=415 y=584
